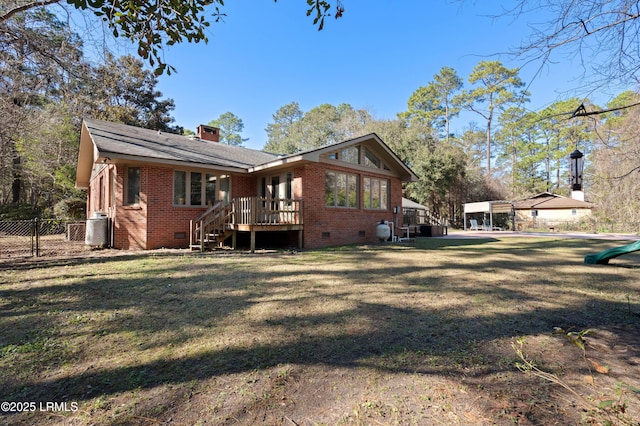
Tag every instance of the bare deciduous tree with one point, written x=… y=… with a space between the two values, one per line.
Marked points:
x=601 y=34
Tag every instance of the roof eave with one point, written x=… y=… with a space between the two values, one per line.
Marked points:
x=284 y=161
x=117 y=158
x=86 y=154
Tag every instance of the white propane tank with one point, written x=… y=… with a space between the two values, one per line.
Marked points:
x=383 y=232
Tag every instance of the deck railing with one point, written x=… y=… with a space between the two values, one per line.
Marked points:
x=413 y=216
x=220 y=220
x=265 y=211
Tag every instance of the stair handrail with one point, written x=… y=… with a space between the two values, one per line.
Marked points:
x=210 y=210
x=216 y=219
x=211 y=221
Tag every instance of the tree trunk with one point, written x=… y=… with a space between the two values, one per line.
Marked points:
x=488 y=150
x=16 y=183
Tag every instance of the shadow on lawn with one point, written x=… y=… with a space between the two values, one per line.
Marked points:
x=97 y=257
x=442 y=339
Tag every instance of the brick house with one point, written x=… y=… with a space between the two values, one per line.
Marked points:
x=551 y=210
x=165 y=190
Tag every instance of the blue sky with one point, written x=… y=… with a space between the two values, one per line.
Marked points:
x=269 y=54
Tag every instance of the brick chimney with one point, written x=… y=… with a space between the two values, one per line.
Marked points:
x=208 y=133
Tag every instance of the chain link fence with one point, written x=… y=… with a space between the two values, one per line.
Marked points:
x=41 y=237
x=590 y=225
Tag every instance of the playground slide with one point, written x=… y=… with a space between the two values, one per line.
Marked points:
x=603 y=257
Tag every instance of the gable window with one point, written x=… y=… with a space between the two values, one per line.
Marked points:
x=132 y=196
x=341 y=189
x=376 y=193
x=358 y=154
x=371 y=160
x=351 y=155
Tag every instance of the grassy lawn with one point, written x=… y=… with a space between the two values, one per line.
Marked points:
x=418 y=333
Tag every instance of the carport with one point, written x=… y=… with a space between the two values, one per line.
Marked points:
x=487 y=207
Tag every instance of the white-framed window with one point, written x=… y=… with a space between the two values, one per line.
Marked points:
x=112 y=185
x=534 y=213
x=375 y=193
x=194 y=188
x=341 y=189
x=224 y=186
x=132 y=186
x=574 y=212
x=210 y=189
x=288 y=189
x=179 y=187
x=101 y=194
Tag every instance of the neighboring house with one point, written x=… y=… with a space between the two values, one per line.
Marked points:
x=165 y=190
x=544 y=209
x=550 y=209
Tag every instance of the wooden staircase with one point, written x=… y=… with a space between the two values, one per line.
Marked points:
x=246 y=215
x=211 y=228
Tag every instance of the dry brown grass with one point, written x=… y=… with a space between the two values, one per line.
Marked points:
x=419 y=333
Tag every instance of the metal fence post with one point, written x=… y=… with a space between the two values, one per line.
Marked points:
x=37 y=232
x=32 y=231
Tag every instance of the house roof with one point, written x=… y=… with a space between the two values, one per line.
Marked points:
x=547 y=200
x=370 y=140
x=410 y=204
x=494 y=206
x=102 y=141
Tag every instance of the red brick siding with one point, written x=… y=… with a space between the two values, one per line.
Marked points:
x=165 y=221
x=156 y=221
x=130 y=223
x=343 y=225
x=243 y=186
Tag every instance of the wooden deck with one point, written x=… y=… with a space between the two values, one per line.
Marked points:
x=246 y=214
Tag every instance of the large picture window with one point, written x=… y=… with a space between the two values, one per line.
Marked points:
x=194 y=188
x=341 y=189
x=133 y=186
x=376 y=193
